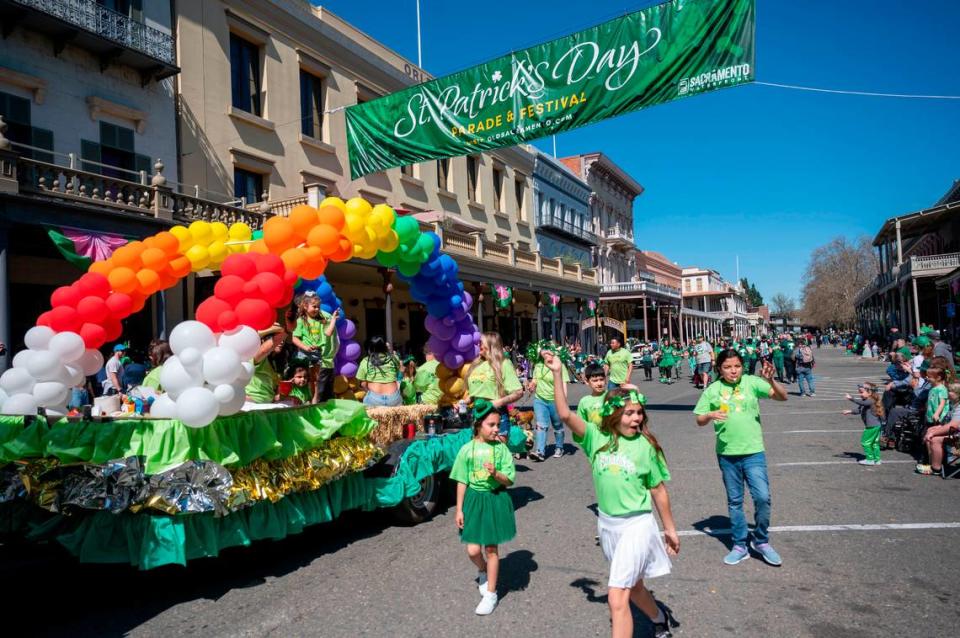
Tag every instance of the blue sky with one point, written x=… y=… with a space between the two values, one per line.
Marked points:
x=761 y=172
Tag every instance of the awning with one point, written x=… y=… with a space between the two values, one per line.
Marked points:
x=915 y=224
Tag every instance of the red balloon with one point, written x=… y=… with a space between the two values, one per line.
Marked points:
x=269 y=263
x=209 y=311
x=66 y=296
x=93 y=310
x=44 y=319
x=255 y=313
x=230 y=289
x=290 y=278
x=93 y=335
x=229 y=321
x=94 y=284
x=271 y=288
x=112 y=329
x=64 y=319
x=241 y=265
x=139 y=301
x=287 y=298
x=120 y=305
x=250 y=288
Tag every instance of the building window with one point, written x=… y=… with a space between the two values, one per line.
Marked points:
x=16 y=113
x=114 y=155
x=443 y=174
x=473 y=178
x=518 y=189
x=411 y=170
x=686 y=285
x=497 y=189
x=245 y=75
x=129 y=8
x=699 y=284
x=311 y=105
x=247 y=185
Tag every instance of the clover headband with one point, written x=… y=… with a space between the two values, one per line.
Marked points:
x=612 y=404
x=481 y=408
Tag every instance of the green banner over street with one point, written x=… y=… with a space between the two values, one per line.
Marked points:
x=649 y=57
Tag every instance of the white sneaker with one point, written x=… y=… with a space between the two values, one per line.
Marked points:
x=558 y=453
x=865 y=462
x=487 y=604
x=482 y=582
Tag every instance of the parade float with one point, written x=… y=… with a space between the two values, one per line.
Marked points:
x=201 y=470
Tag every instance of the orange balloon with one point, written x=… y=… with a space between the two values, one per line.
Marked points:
x=325 y=237
x=123 y=279
x=331 y=215
x=313 y=253
x=128 y=256
x=148 y=280
x=101 y=267
x=180 y=267
x=166 y=280
x=303 y=218
x=259 y=246
x=294 y=259
x=344 y=251
x=154 y=259
x=149 y=242
x=139 y=300
x=167 y=242
x=313 y=269
x=279 y=235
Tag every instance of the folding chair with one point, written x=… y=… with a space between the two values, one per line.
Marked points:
x=951 y=462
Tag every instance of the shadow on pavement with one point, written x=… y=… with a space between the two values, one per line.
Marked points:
x=671 y=407
x=515 y=570
x=715 y=522
x=111 y=600
x=523 y=495
x=596 y=593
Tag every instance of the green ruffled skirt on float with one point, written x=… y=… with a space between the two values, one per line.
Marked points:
x=488 y=518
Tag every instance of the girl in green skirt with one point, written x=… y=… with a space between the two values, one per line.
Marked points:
x=483 y=470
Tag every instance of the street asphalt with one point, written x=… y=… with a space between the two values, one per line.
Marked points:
x=868 y=551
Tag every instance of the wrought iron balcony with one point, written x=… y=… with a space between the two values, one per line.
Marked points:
x=555 y=222
x=114 y=37
x=930 y=265
x=626 y=289
x=619 y=236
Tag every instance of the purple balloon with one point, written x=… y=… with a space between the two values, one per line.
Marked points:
x=459 y=313
x=438 y=328
x=351 y=350
x=453 y=360
x=476 y=337
x=467 y=299
x=462 y=342
x=438 y=347
x=449 y=321
x=347 y=330
x=348 y=369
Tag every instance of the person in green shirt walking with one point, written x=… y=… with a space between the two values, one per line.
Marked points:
x=588 y=408
x=492 y=377
x=667 y=359
x=618 y=363
x=315 y=336
x=732 y=404
x=545 y=413
x=483 y=470
x=427 y=382
x=629 y=475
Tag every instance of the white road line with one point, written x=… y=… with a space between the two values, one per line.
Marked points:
x=770 y=414
x=809 y=431
x=850 y=462
x=831 y=528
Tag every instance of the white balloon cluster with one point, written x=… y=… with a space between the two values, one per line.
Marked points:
x=205 y=379
x=42 y=375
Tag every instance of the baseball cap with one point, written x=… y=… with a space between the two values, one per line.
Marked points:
x=120 y=348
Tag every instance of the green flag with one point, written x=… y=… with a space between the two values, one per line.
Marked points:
x=649 y=57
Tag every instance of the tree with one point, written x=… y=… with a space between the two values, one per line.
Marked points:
x=754 y=298
x=783 y=306
x=836 y=273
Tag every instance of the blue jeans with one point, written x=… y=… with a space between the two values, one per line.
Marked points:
x=805 y=373
x=377 y=400
x=612 y=386
x=545 y=413
x=504 y=422
x=751 y=468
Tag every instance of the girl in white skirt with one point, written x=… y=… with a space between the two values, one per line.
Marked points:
x=629 y=470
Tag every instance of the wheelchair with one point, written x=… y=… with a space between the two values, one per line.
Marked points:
x=908 y=433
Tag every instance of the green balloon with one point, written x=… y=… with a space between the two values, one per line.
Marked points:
x=388 y=260
x=408 y=269
x=407 y=229
x=257 y=234
x=424 y=247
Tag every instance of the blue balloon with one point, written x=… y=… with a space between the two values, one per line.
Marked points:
x=324 y=289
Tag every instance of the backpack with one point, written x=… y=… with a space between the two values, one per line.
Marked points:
x=805 y=354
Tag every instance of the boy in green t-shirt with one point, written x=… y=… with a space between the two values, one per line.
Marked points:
x=299 y=393
x=619 y=364
x=426 y=382
x=589 y=407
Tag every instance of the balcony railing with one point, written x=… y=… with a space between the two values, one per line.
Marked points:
x=106 y=23
x=141 y=197
x=930 y=265
x=557 y=223
x=618 y=235
x=642 y=287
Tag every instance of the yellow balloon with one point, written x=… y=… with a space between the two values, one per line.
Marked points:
x=240 y=232
x=201 y=232
x=443 y=372
x=367 y=251
x=386 y=213
x=218 y=252
x=199 y=257
x=358 y=205
x=184 y=237
x=219 y=231
x=389 y=243
x=353 y=226
x=333 y=201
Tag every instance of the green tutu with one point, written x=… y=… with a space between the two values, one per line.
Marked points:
x=487 y=518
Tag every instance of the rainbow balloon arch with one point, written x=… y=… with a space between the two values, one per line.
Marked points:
x=206 y=377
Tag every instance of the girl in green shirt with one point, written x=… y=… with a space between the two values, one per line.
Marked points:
x=629 y=471
x=378 y=372
x=483 y=470
x=315 y=335
x=493 y=377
